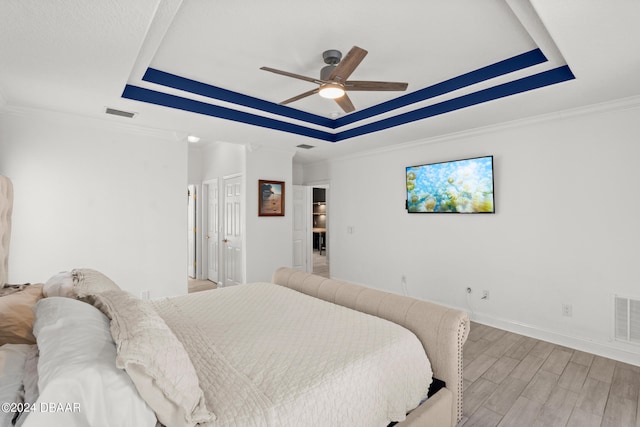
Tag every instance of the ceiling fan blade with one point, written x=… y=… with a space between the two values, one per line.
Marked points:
x=345 y=103
x=374 y=86
x=288 y=74
x=302 y=95
x=344 y=69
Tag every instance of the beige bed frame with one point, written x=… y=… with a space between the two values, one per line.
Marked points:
x=441 y=330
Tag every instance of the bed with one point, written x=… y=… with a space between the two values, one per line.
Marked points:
x=299 y=350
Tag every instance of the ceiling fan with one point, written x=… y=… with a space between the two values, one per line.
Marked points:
x=333 y=83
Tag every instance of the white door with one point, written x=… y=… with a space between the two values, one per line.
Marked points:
x=213 y=235
x=191 y=230
x=232 y=238
x=301 y=227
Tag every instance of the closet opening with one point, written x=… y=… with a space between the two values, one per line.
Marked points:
x=320 y=235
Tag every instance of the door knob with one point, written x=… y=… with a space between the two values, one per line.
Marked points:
x=225 y=241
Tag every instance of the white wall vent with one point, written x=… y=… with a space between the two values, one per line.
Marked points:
x=627 y=319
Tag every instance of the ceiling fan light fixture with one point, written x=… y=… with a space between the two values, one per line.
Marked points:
x=331 y=90
x=335 y=77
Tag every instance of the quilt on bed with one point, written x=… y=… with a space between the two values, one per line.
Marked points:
x=270 y=356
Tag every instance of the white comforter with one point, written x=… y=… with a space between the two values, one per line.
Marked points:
x=270 y=356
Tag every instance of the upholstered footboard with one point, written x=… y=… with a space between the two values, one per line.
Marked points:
x=441 y=330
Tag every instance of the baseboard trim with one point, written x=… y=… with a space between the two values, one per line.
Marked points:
x=615 y=350
x=609 y=349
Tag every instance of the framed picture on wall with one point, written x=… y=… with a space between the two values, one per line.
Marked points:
x=270 y=198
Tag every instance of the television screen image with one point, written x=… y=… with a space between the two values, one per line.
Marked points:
x=460 y=186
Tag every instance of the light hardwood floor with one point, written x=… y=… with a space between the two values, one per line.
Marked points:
x=320 y=266
x=196 y=285
x=512 y=380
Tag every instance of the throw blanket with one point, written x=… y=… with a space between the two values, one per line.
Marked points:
x=270 y=356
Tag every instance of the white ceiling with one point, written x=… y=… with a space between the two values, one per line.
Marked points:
x=77 y=56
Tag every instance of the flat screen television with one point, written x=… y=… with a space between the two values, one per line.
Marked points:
x=459 y=186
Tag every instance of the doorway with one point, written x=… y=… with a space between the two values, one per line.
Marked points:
x=232 y=251
x=191 y=231
x=212 y=227
x=196 y=280
x=222 y=259
x=320 y=235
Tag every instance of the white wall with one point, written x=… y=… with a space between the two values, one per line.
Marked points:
x=269 y=240
x=298 y=173
x=194 y=164
x=316 y=173
x=220 y=159
x=92 y=194
x=566 y=229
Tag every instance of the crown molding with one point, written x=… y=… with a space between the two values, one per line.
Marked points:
x=623 y=104
x=104 y=123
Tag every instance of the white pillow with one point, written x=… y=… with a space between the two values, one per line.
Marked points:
x=12 y=357
x=77 y=370
x=59 y=285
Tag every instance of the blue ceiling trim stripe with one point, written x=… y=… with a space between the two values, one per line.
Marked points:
x=153 y=97
x=515 y=63
x=153 y=75
x=546 y=78
x=509 y=65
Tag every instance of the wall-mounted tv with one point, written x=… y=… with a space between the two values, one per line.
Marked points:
x=459 y=186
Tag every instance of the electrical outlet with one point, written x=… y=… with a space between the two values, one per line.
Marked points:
x=567 y=310
x=485 y=294
x=144 y=295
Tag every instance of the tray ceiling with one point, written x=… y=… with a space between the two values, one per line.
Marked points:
x=193 y=67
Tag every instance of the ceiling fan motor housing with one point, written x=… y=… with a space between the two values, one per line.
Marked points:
x=332 y=56
x=326 y=71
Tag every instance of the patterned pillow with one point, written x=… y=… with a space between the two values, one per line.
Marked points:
x=155 y=360
x=88 y=282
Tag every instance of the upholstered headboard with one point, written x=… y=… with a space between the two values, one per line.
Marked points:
x=6 y=207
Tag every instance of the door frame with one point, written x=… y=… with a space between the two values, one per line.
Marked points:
x=204 y=217
x=222 y=218
x=307 y=251
x=203 y=206
x=192 y=231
